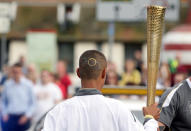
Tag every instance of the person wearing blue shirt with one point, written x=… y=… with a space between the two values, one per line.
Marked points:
x=18 y=102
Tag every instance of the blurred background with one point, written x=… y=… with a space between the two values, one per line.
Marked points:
x=47 y=38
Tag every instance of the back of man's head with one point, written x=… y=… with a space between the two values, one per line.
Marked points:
x=91 y=64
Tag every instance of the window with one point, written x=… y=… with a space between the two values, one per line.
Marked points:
x=130 y=48
x=66 y=53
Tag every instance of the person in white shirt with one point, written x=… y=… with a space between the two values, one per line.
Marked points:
x=48 y=95
x=89 y=110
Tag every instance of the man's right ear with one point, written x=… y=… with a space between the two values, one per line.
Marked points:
x=103 y=75
x=78 y=72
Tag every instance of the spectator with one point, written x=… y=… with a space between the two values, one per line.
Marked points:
x=164 y=76
x=22 y=62
x=174 y=65
x=6 y=74
x=55 y=79
x=179 y=76
x=131 y=76
x=111 y=78
x=47 y=93
x=32 y=74
x=143 y=76
x=111 y=66
x=18 y=102
x=138 y=60
x=63 y=75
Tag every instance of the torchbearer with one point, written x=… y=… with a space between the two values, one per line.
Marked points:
x=175 y=106
x=89 y=110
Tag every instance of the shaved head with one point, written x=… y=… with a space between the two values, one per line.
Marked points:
x=91 y=64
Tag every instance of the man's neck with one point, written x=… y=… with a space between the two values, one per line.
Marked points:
x=17 y=80
x=91 y=84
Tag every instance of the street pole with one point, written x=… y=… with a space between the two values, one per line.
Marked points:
x=3 y=50
x=111 y=32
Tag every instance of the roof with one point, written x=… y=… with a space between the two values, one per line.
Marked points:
x=44 y=18
x=51 y=1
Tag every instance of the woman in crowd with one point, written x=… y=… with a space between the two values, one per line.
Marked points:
x=132 y=76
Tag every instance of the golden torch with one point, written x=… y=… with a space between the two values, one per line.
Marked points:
x=155 y=21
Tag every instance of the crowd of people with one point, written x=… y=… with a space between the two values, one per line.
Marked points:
x=27 y=96
x=38 y=93
x=170 y=73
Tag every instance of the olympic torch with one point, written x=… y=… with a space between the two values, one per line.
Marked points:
x=155 y=21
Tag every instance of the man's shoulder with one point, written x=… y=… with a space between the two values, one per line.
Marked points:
x=177 y=88
x=172 y=93
x=9 y=82
x=62 y=106
x=116 y=103
x=112 y=100
x=180 y=87
x=73 y=102
x=69 y=102
x=26 y=82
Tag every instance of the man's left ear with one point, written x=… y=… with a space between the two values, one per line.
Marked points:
x=78 y=72
x=103 y=73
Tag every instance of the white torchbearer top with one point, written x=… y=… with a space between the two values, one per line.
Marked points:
x=94 y=112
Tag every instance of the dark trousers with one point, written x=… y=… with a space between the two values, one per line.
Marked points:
x=13 y=124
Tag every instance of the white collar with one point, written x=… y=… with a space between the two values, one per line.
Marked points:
x=189 y=82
